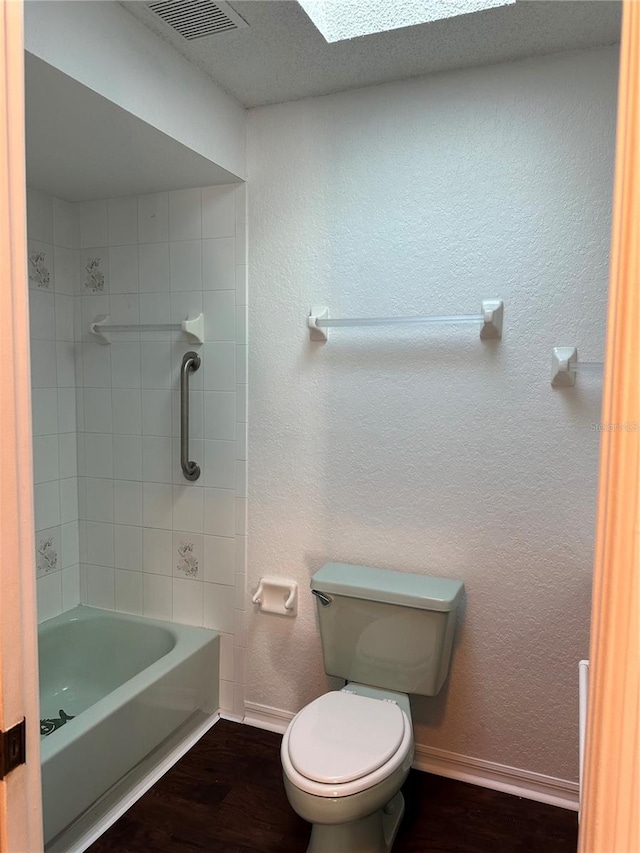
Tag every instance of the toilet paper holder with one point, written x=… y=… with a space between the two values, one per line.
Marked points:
x=277 y=595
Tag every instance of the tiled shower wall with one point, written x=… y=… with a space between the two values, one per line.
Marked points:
x=52 y=264
x=151 y=543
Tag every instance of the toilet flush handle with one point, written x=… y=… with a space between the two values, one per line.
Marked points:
x=322 y=597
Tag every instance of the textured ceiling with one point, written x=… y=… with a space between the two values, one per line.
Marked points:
x=281 y=56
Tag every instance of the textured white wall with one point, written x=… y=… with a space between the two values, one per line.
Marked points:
x=430 y=451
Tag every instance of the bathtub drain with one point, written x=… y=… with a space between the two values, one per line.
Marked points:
x=48 y=726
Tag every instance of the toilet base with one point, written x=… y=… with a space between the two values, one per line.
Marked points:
x=372 y=834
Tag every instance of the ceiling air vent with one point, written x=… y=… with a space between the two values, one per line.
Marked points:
x=196 y=19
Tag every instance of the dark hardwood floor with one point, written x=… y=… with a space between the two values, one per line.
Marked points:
x=226 y=796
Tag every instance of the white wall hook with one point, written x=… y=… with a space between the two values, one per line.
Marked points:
x=277 y=595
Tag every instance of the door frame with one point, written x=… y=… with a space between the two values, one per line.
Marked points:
x=20 y=791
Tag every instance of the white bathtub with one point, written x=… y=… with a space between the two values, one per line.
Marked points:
x=129 y=683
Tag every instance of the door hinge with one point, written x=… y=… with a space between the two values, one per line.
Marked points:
x=12 y=748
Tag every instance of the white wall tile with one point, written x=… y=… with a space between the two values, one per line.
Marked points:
x=98 y=499
x=219 y=363
x=125 y=310
x=242 y=323
x=127 y=496
x=68 y=454
x=123 y=269
x=219 y=308
x=70 y=544
x=241 y=479
x=46 y=465
x=100 y=543
x=219 y=464
x=127 y=411
x=69 y=500
x=70 y=587
x=219 y=560
x=188 y=555
x=97 y=410
x=185 y=219
x=98 y=449
x=67 y=410
x=93 y=271
x=218 y=607
x=241 y=516
x=154 y=267
x=128 y=591
x=219 y=512
x=39 y=216
x=42 y=325
x=127 y=457
x=44 y=402
x=240 y=627
x=47 y=505
x=242 y=375
x=219 y=264
x=187 y=602
x=64 y=317
x=66 y=264
x=157 y=548
x=240 y=589
x=48 y=551
x=157 y=596
x=96 y=365
x=65 y=364
x=125 y=364
x=185 y=265
x=153 y=218
x=155 y=308
x=122 y=220
x=49 y=592
x=242 y=285
x=188 y=508
x=218 y=211
x=155 y=364
x=92 y=216
x=241 y=440
x=226 y=657
x=43 y=364
x=238 y=700
x=241 y=554
x=156 y=412
x=226 y=696
x=101 y=587
x=156 y=459
x=157 y=505
x=187 y=303
x=128 y=548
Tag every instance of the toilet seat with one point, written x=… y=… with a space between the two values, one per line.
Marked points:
x=343 y=743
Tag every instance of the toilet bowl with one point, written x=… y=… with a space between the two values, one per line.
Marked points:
x=345 y=757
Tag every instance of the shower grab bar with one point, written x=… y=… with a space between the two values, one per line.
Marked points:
x=190 y=363
x=489 y=318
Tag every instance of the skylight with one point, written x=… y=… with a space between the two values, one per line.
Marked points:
x=346 y=19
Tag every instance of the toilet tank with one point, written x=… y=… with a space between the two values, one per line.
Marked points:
x=387 y=629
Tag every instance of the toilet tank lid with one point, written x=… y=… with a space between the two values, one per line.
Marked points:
x=409 y=590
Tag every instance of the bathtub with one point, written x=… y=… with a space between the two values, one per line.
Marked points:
x=124 y=684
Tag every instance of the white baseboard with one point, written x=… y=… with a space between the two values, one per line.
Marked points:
x=475 y=771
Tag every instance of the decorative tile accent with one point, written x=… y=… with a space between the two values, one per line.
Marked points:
x=94 y=278
x=39 y=274
x=187 y=563
x=47 y=551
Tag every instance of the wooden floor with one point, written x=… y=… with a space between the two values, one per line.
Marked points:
x=226 y=796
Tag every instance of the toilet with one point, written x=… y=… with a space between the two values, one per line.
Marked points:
x=346 y=755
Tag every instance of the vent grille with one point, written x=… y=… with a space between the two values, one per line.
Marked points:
x=196 y=19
